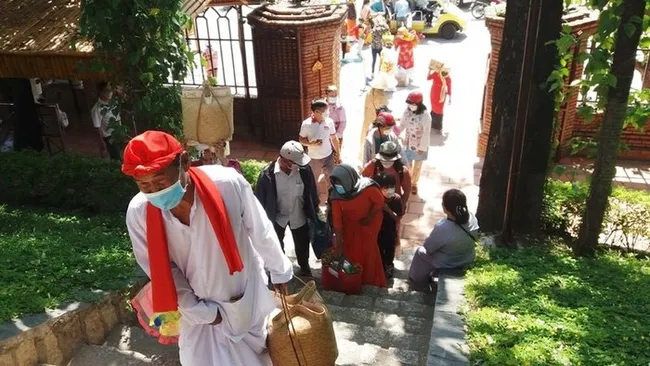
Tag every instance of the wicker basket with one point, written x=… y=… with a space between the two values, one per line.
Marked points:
x=207 y=114
x=302 y=334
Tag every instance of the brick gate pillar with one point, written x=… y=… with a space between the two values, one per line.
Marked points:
x=297 y=55
x=582 y=26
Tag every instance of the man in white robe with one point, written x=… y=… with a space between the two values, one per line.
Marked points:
x=223 y=315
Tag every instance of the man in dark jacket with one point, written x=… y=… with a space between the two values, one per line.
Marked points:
x=286 y=188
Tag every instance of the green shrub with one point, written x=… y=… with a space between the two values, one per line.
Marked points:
x=251 y=170
x=542 y=306
x=627 y=220
x=563 y=206
x=74 y=182
x=64 y=181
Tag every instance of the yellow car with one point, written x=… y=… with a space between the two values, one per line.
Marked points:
x=446 y=22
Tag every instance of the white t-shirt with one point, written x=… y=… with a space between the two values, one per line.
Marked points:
x=318 y=131
x=101 y=115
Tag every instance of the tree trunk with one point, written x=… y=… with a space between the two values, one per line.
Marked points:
x=494 y=175
x=610 y=130
x=539 y=129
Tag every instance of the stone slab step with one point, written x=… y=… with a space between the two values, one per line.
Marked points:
x=135 y=339
x=107 y=356
x=127 y=346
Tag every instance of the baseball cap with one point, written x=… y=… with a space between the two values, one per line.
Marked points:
x=388 y=151
x=318 y=103
x=293 y=151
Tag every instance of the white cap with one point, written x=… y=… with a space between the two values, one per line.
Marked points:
x=293 y=150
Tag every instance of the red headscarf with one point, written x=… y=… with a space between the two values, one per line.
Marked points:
x=146 y=154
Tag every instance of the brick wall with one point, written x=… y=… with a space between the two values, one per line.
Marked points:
x=582 y=26
x=320 y=43
x=287 y=42
x=637 y=142
x=495 y=26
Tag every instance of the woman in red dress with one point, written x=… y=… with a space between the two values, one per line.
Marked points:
x=405 y=43
x=440 y=93
x=356 y=209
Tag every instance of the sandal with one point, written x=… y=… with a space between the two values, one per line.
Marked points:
x=414 y=190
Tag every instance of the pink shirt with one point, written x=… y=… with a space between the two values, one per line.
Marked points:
x=337 y=114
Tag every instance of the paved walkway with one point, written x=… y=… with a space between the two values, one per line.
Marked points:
x=392 y=326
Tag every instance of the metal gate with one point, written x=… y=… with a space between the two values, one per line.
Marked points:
x=223 y=46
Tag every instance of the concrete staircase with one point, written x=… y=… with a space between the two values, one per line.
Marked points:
x=389 y=326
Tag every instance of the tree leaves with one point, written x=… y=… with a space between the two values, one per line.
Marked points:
x=148 y=35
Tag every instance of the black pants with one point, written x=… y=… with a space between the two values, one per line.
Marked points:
x=112 y=150
x=301 y=242
x=375 y=53
x=436 y=121
x=386 y=241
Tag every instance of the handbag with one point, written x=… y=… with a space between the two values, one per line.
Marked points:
x=321 y=237
x=340 y=274
x=302 y=334
x=207 y=114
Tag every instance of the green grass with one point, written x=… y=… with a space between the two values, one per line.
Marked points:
x=541 y=306
x=47 y=259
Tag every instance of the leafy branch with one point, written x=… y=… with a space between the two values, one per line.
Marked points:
x=597 y=76
x=142 y=39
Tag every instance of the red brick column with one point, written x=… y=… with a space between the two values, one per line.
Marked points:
x=582 y=26
x=297 y=55
x=495 y=27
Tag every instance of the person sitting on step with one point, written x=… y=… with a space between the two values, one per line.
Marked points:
x=451 y=243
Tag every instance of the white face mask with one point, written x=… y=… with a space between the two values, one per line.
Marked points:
x=387 y=164
x=413 y=107
x=390 y=192
x=332 y=100
x=326 y=115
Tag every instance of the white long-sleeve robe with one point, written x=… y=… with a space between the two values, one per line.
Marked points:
x=202 y=279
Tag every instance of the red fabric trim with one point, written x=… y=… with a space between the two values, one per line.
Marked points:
x=217 y=213
x=163 y=289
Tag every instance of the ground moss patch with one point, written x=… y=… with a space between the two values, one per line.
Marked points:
x=542 y=306
x=48 y=258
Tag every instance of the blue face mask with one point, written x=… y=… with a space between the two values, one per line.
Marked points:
x=339 y=189
x=169 y=197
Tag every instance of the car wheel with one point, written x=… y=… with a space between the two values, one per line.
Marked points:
x=448 y=31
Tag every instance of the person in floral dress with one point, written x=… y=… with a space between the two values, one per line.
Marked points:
x=405 y=43
x=416 y=128
x=387 y=66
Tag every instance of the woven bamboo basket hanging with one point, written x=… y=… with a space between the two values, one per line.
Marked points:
x=207 y=114
x=302 y=334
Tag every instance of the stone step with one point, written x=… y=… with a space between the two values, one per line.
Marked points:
x=127 y=346
x=107 y=356
x=381 y=326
